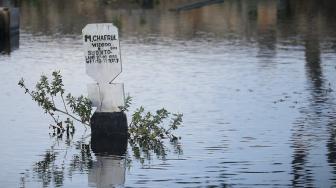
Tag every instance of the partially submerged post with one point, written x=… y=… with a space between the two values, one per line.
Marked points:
x=9 y=29
x=103 y=64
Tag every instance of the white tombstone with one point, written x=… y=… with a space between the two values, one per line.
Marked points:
x=103 y=64
x=102 y=52
x=106 y=97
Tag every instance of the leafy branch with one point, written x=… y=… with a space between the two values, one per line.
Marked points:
x=46 y=94
x=147 y=131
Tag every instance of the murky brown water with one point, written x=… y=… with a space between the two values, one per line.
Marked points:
x=255 y=81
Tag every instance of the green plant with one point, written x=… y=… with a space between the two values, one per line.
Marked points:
x=147 y=131
x=48 y=93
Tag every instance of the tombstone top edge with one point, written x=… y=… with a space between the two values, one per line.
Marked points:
x=99 y=26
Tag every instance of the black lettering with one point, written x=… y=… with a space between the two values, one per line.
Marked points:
x=87 y=37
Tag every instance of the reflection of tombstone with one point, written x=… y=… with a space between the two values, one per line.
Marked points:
x=9 y=29
x=110 y=167
x=107 y=171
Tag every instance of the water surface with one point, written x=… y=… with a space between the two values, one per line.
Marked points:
x=255 y=81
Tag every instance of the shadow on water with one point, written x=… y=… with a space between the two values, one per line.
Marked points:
x=319 y=117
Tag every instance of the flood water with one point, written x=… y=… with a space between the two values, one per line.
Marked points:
x=255 y=80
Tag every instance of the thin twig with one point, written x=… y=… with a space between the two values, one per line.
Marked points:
x=57 y=110
x=130 y=124
x=64 y=104
x=56 y=126
x=52 y=117
x=75 y=118
x=52 y=99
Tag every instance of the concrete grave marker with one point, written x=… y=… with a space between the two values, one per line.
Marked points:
x=106 y=97
x=103 y=64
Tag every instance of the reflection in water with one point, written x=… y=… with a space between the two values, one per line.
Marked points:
x=302 y=175
x=107 y=171
x=208 y=57
x=263 y=21
x=320 y=111
x=61 y=161
x=66 y=158
x=331 y=146
x=196 y=5
x=313 y=52
x=266 y=19
x=110 y=166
